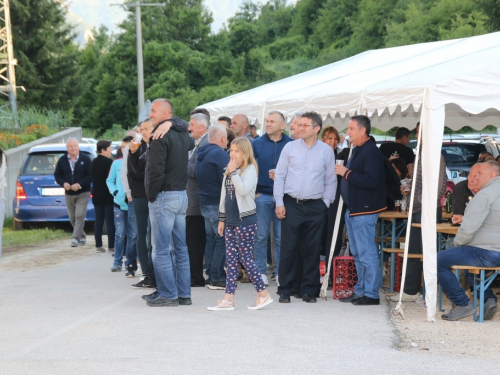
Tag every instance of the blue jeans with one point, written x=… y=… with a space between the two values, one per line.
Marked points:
x=463 y=256
x=120 y=234
x=215 y=249
x=131 y=251
x=168 y=222
x=361 y=231
x=266 y=211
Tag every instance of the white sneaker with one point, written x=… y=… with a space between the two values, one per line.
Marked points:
x=405 y=297
x=260 y=303
x=222 y=305
x=264 y=279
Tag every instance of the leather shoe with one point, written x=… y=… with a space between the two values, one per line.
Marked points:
x=284 y=299
x=309 y=299
x=297 y=295
x=153 y=295
x=366 y=301
x=351 y=298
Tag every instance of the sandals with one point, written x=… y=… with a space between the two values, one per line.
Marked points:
x=222 y=305
x=261 y=302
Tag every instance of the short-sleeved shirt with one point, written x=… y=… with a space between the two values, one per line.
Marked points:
x=397 y=150
x=232 y=210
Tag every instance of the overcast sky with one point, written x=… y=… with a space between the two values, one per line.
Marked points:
x=86 y=14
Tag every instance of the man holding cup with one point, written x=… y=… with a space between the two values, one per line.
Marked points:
x=267 y=150
x=363 y=191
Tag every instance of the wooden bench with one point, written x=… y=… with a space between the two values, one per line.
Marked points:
x=481 y=282
x=389 y=240
x=412 y=256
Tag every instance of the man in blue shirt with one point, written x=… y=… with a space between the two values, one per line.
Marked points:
x=304 y=186
x=363 y=191
x=267 y=150
x=212 y=159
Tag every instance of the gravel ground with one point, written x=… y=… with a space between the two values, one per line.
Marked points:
x=461 y=339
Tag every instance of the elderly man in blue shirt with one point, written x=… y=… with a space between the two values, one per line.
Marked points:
x=304 y=186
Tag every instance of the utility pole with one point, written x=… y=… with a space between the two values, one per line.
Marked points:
x=7 y=62
x=138 y=32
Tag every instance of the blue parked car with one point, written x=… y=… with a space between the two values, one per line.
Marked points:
x=38 y=197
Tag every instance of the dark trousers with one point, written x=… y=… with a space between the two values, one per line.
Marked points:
x=150 y=271
x=102 y=214
x=415 y=267
x=141 y=217
x=303 y=223
x=196 y=240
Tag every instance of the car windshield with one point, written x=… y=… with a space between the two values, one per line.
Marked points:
x=43 y=163
x=456 y=153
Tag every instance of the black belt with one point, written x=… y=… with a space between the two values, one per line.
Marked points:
x=301 y=201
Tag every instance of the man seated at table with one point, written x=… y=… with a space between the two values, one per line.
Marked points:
x=415 y=266
x=463 y=192
x=478 y=244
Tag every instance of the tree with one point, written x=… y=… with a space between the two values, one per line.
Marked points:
x=491 y=9
x=334 y=23
x=426 y=21
x=47 y=56
x=305 y=17
x=369 y=27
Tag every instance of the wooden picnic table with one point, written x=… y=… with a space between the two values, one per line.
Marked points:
x=444 y=228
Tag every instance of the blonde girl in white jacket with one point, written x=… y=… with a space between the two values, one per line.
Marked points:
x=238 y=223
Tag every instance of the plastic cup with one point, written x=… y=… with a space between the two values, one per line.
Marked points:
x=339 y=161
x=272 y=173
x=397 y=206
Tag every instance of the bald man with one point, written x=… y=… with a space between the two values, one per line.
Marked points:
x=166 y=179
x=241 y=126
x=463 y=192
x=74 y=173
x=477 y=244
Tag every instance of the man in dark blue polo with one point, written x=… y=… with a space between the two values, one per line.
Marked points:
x=267 y=150
x=363 y=191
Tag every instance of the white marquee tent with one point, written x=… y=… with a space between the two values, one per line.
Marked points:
x=448 y=83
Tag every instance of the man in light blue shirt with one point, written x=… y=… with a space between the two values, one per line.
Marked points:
x=304 y=186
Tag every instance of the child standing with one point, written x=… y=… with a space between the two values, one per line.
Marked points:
x=237 y=212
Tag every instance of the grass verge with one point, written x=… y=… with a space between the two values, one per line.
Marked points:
x=28 y=237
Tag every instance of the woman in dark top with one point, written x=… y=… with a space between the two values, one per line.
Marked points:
x=101 y=198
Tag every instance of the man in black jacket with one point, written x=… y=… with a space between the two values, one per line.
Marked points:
x=74 y=173
x=363 y=191
x=165 y=181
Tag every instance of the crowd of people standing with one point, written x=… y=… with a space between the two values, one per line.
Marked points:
x=203 y=205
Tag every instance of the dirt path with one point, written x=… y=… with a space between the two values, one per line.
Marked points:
x=461 y=339
x=22 y=259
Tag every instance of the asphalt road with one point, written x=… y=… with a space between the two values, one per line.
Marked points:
x=74 y=316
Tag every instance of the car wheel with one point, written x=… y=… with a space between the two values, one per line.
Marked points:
x=18 y=225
